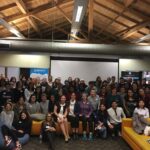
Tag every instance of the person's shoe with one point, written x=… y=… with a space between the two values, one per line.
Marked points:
x=84 y=138
x=74 y=136
x=77 y=136
x=66 y=140
x=91 y=137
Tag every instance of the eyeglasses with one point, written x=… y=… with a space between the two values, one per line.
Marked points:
x=48 y=116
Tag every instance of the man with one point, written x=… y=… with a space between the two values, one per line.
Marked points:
x=44 y=104
x=115 y=118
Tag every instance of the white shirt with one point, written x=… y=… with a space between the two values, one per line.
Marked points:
x=116 y=118
x=62 y=109
x=71 y=108
x=142 y=111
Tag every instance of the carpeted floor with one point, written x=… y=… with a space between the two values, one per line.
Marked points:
x=98 y=144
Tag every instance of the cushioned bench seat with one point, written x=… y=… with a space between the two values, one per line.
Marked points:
x=136 y=141
x=140 y=140
x=36 y=128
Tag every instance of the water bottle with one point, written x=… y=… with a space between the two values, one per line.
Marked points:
x=40 y=139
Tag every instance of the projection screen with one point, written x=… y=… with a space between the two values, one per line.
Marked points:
x=87 y=69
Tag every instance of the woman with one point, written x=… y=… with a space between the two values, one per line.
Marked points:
x=7 y=115
x=102 y=121
x=130 y=103
x=140 y=115
x=18 y=91
x=19 y=134
x=61 y=112
x=73 y=115
x=33 y=108
x=141 y=109
x=29 y=91
x=85 y=111
x=19 y=107
x=48 y=130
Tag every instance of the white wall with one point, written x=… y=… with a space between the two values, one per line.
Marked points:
x=134 y=65
x=25 y=61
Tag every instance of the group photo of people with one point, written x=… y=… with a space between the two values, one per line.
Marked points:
x=99 y=105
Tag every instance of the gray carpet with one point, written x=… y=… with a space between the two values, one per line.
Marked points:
x=98 y=144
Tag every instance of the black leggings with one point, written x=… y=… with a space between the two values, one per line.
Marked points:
x=9 y=132
x=74 y=121
x=86 y=120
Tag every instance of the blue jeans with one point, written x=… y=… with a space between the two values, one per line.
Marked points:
x=102 y=132
x=23 y=140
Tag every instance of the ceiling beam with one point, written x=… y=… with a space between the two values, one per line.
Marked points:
x=127 y=3
x=135 y=28
x=35 y=11
x=144 y=38
x=24 y=10
x=64 y=14
x=59 y=29
x=11 y=29
x=90 y=18
x=116 y=12
x=112 y=21
x=7 y=6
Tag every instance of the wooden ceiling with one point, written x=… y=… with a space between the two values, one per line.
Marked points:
x=106 y=21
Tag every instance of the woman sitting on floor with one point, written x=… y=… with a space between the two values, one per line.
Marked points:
x=7 y=115
x=48 y=131
x=61 y=112
x=19 y=134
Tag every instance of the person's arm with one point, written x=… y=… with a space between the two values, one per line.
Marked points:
x=147 y=113
x=55 y=110
x=122 y=113
x=66 y=112
x=37 y=107
x=90 y=110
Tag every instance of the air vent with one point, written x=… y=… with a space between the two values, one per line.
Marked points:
x=4 y=46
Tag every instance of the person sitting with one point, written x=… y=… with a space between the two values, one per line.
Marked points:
x=102 y=121
x=7 y=115
x=19 y=107
x=115 y=118
x=73 y=117
x=61 y=112
x=19 y=134
x=48 y=131
x=141 y=109
x=43 y=106
x=94 y=100
x=33 y=108
x=130 y=103
x=85 y=111
x=140 y=115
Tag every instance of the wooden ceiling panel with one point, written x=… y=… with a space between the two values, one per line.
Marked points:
x=142 y=7
x=35 y=3
x=113 y=20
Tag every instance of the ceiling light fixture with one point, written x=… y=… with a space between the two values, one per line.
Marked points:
x=79 y=12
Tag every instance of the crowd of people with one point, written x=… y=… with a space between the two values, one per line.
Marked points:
x=100 y=105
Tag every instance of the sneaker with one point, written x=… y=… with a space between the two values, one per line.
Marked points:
x=91 y=137
x=84 y=138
